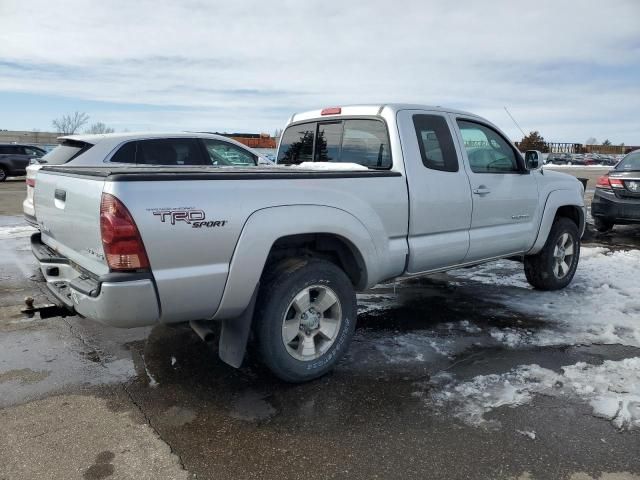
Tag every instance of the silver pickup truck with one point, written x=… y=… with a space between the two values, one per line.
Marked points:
x=361 y=194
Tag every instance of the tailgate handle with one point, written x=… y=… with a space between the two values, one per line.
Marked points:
x=61 y=195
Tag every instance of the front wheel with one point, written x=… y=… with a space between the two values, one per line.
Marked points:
x=3 y=174
x=555 y=265
x=306 y=316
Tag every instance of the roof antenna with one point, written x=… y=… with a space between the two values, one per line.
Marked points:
x=514 y=121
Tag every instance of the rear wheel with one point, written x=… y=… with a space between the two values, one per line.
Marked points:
x=306 y=316
x=555 y=265
x=3 y=174
x=602 y=225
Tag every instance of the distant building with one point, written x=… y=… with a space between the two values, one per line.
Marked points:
x=16 y=136
x=252 y=140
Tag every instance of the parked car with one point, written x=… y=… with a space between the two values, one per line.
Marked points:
x=559 y=159
x=281 y=251
x=137 y=149
x=616 y=200
x=14 y=159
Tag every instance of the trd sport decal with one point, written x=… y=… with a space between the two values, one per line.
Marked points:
x=191 y=216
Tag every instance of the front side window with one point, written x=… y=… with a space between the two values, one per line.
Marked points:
x=487 y=150
x=297 y=143
x=436 y=143
x=225 y=153
x=34 y=152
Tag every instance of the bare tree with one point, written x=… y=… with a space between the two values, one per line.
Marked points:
x=71 y=123
x=591 y=141
x=99 y=127
x=606 y=143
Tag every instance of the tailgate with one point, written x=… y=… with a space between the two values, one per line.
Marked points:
x=68 y=212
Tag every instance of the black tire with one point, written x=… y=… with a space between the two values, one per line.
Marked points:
x=602 y=225
x=3 y=174
x=280 y=286
x=541 y=269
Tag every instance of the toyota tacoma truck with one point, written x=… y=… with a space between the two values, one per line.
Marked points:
x=359 y=195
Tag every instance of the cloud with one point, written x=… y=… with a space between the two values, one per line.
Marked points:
x=248 y=63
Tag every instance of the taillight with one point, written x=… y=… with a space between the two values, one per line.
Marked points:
x=121 y=240
x=605 y=181
x=31 y=182
x=616 y=182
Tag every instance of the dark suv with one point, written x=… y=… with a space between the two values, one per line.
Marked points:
x=617 y=196
x=15 y=158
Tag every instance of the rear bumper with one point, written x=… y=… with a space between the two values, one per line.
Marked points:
x=124 y=300
x=607 y=206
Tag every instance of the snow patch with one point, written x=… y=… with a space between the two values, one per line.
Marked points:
x=601 y=305
x=612 y=389
x=16 y=232
x=526 y=433
x=324 y=166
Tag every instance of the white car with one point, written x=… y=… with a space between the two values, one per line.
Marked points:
x=136 y=149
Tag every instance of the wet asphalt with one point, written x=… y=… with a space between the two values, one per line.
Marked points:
x=80 y=400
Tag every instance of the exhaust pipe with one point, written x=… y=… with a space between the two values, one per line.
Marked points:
x=203 y=330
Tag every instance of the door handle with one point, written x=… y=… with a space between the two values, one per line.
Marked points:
x=60 y=194
x=59 y=198
x=482 y=190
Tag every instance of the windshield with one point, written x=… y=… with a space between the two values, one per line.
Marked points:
x=630 y=162
x=65 y=152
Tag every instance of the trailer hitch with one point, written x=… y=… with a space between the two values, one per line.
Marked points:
x=46 y=310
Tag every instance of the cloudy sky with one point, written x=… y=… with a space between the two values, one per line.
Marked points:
x=570 y=69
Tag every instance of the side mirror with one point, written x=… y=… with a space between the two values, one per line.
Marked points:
x=533 y=159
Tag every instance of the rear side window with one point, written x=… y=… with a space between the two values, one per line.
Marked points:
x=162 y=151
x=10 y=150
x=126 y=154
x=297 y=143
x=436 y=143
x=361 y=141
x=65 y=152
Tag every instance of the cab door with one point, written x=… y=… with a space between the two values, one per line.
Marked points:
x=439 y=194
x=505 y=194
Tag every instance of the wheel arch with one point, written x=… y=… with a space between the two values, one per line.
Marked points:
x=560 y=203
x=270 y=233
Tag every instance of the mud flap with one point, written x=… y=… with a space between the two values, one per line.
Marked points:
x=235 y=334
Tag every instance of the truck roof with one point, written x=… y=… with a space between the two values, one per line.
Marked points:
x=373 y=110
